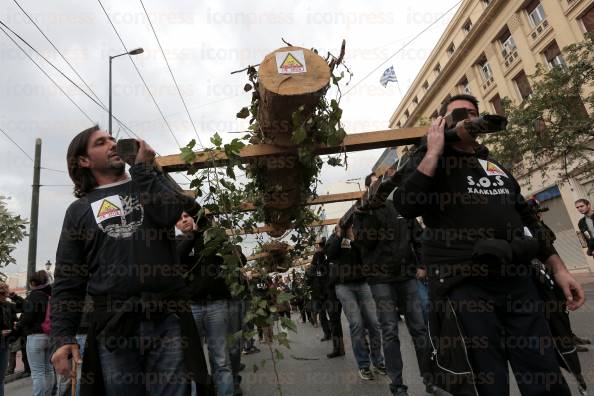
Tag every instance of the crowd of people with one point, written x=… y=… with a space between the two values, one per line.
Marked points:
x=456 y=253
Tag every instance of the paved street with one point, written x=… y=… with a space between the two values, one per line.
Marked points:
x=305 y=371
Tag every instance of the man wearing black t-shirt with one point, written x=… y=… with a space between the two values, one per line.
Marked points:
x=118 y=246
x=479 y=240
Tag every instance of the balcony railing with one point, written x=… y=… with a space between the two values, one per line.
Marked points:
x=509 y=57
x=539 y=30
x=487 y=82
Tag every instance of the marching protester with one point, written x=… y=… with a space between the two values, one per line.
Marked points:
x=118 y=246
x=334 y=309
x=211 y=300
x=357 y=301
x=391 y=269
x=317 y=279
x=35 y=325
x=479 y=239
x=7 y=322
x=586 y=223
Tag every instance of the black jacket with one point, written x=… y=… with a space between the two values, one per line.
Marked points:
x=586 y=233
x=471 y=198
x=345 y=258
x=388 y=242
x=203 y=274
x=316 y=276
x=34 y=309
x=8 y=318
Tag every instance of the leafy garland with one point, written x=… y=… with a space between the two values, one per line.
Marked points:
x=225 y=197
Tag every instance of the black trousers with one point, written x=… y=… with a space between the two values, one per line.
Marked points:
x=503 y=320
x=334 y=309
x=320 y=308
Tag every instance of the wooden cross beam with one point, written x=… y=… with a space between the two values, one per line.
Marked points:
x=260 y=230
x=320 y=200
x=352 y=142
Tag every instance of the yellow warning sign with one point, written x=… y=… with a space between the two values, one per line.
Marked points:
x=492 y=169
x=291 y=62
x=107 y=209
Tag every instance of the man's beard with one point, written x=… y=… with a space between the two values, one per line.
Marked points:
x=117 y=168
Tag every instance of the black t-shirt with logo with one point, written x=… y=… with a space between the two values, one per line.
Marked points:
x=470 y=197
x=118 y=240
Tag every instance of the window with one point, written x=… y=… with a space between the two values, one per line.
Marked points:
x=536 y=13
x=415 y=100
x=437 y=69
x=496 y=104
x=406 y=114
x=523 y=85
x=399 y=124
x=508 y=45
x=451 y=49
x=486 y=2
x=467 y=26
x=553 y=55
x=485 y=69
x=425 y=85
x=464 y=86
x=588 y=20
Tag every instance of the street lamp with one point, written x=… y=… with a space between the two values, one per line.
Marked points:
x=133 y=52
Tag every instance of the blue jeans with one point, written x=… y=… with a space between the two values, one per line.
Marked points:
x=360 y=310
x=42 y=371
x=151 y=363
x=424 y=296
x=403 y=295
x=4 y=352
x=212 y=321
x=237 y=309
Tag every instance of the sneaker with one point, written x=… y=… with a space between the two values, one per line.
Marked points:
x=380 y=369
x=366 y=374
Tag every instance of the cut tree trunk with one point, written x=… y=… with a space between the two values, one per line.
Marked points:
x=281 y=95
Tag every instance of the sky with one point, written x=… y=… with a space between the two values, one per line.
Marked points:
x=204 y=41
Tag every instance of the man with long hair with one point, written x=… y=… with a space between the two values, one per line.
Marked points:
x=118 y=246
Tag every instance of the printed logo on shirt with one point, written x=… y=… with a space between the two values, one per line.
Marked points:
x=107 y=208
x=345 y=243
x=491 y=169
x=118 y=216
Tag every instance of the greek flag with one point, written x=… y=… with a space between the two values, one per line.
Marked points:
x=389 y=75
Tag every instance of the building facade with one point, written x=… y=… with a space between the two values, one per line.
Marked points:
x=489 y=50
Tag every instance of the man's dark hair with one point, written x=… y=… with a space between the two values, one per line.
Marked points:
x=582 y=200
x=83 y=179
x=368 y=179
x=39 y=278
x=469 y=98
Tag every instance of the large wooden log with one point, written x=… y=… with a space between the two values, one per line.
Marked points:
x=283 y=94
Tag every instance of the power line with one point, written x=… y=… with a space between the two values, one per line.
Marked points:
x=59 y=52
x=126 y=128
x=139 y=74
x=403 y=47
x=16 y=144
x=27 y=154
x=47 y=75
x=171 y=73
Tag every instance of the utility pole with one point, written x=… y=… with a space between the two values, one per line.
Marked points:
x=31 y=267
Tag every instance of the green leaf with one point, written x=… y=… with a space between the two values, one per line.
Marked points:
x=243 y=113
x=299 y=135
x=216 y=140
x=187 y=155
x=283 y=297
